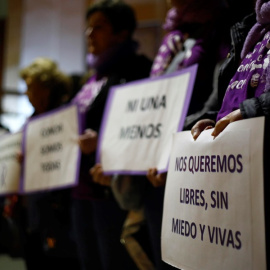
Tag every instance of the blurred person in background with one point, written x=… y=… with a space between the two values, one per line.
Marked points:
x=112 y=57
x=43 y=218
x=196 y=33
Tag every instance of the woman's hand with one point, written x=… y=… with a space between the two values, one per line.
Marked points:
x=99 y=177
x=200 y=126
x=88 y=141
x=157 y=180
x=225 y=121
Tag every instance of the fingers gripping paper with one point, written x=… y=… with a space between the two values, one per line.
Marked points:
x=213 y=209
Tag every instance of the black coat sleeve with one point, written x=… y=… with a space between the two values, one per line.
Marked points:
x=255 y=107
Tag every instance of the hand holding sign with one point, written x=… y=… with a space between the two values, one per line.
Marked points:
x=214 y=204
x=225 y=121
x=200 y=126
x=99 y=177
x=156 y=179
x=88 y=141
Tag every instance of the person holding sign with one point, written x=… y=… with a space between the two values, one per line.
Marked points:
x=193 y=36
x=189 y=37
x=193 y=29
x=247 y=93
x=47 y=89
x=97 y=218
x=223 y=76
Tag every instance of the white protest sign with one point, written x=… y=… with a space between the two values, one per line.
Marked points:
x=10 y=168
x=213 y=215
x=51 y=151
x=139 y=120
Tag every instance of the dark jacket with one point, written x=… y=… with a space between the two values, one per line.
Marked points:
x=225 y=72
x=130 y=68
x=254 y=107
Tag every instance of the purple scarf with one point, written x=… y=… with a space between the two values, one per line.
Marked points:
x=192 y=12
x=170 y=46
x=251 y=78
x=260 y=28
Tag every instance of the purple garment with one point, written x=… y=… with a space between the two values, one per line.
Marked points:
x=250 y=78
x=260 y=28
x=86 y=96
x=194 y=14
x=170 y=46
x=195 y=55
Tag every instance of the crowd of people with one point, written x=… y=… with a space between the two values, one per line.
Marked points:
x=81 y=227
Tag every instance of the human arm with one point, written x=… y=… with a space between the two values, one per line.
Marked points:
x=99 y=177
x=254 y=107
x=156 y=179
x=88 y=141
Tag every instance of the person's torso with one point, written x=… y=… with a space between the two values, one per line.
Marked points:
x=249 y=79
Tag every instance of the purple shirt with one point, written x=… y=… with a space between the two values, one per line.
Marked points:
x=87 y=95
x=250 y=78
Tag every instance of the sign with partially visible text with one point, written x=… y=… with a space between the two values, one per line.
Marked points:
x=139 y=121
x=10 y=168
x=213 y=214
x=51 y=151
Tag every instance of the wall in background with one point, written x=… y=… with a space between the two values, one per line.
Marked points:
x=54 y=29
